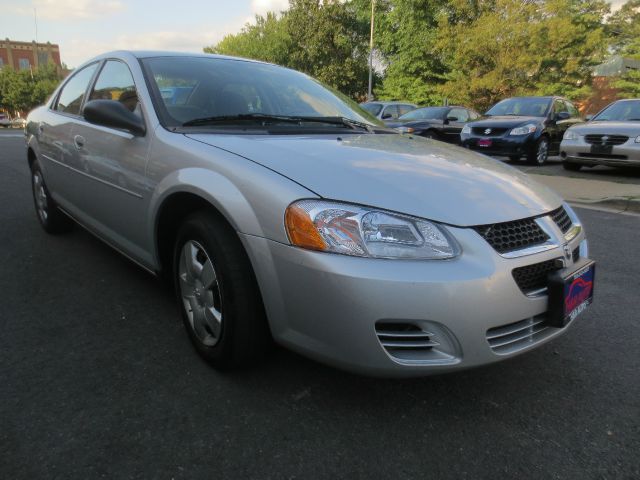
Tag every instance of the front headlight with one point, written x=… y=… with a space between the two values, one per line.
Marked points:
x=466 y=129
x=524 y=130
x=365 y=232
x=570 y=135
x=405 y=129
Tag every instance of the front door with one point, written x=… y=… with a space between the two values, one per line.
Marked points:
x=112 y=193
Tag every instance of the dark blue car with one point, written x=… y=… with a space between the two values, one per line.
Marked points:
x=522 y=126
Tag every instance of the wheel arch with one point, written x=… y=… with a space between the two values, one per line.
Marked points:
x=190 y=190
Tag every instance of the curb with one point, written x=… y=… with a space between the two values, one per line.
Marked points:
x=618 y=205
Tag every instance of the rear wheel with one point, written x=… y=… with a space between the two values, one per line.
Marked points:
x=539 y=154
x=49 y=216
x=573 y=167
x=218 y=294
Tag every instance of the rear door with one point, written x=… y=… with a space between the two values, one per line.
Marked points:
x=54 y=135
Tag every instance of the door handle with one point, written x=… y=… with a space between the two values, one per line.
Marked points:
x=78 y=141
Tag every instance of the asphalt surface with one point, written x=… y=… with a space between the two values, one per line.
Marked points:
x=98 y=380
x=600 y=172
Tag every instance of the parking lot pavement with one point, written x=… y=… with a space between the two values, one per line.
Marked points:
x=98 y=379
x=601 y=173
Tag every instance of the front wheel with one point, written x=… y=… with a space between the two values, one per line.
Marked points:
x=218 y=294
x=539 y=154
x=430 y=134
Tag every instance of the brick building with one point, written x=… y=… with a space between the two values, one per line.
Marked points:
x=26 y=55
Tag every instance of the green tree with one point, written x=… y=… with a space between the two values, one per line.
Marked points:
x=325 y=38
x=406 y=40
x=268 y=40
x=23 y=90
x=624 y=29
x=502 y=48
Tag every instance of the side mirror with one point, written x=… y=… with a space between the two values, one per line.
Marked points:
x=452 y=119
x=563 y=116
x=111 y=113
x=386 y=116
x=588 y=118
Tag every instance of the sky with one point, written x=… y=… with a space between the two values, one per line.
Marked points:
x=84 y=28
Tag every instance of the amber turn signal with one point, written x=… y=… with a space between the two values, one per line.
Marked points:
x=301 y=230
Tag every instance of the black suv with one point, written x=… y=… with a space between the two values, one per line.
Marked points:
x=529 y=126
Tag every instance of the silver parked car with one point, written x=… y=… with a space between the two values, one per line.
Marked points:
x=612 y=138
x=281 y=210
x=388 y=111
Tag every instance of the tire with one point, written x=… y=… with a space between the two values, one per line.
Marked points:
x=218 y=294
x=538 y=155
x=430 y=134
x=572 y=167
x=50 y=217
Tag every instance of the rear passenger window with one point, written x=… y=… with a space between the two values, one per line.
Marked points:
x=72 y=94
x=115 y=82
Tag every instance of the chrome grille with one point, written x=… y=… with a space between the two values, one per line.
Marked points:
x=516 y=336
x=534 y=277
x=561 y=218
x=606 y=140
x=494 y=132
x=509 y=236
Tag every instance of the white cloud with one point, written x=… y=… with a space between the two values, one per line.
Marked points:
x=187 y=40
x=261 y=7
x=70 y=9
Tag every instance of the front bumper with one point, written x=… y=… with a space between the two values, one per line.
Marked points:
x=506 y=145
x=328 y=306
x=579 y=152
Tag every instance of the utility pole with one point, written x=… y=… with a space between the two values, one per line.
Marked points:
x=35 y=21
x=369 y=93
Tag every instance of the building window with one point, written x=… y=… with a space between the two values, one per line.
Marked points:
x=24 y=63
x=1 y=62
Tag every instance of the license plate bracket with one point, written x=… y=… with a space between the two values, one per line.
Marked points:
x=570 y=292
x=485 y=142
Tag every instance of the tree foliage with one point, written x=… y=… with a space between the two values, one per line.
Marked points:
x=624 y=29
x=325 y=38
x=22 y=90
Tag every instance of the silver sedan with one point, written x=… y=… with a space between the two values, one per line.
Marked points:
x=280 y=210
x=610 y=138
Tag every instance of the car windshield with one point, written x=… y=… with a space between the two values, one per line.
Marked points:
x=523 y=106
x=372 y=108
x=217 y=91
x=428 y=113
x=626 y=111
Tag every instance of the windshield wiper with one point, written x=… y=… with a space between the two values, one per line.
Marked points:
x=264 y=119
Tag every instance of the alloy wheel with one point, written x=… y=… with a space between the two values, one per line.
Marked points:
x=543 y=151
x=200 y=292
x=40 y=195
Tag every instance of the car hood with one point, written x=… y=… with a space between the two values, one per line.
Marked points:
x=508 y=121
x=630 y=129
x=413 y=123
x=415 y=176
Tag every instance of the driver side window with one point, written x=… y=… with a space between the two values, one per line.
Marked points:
x=460 y=113
x=115 y=82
